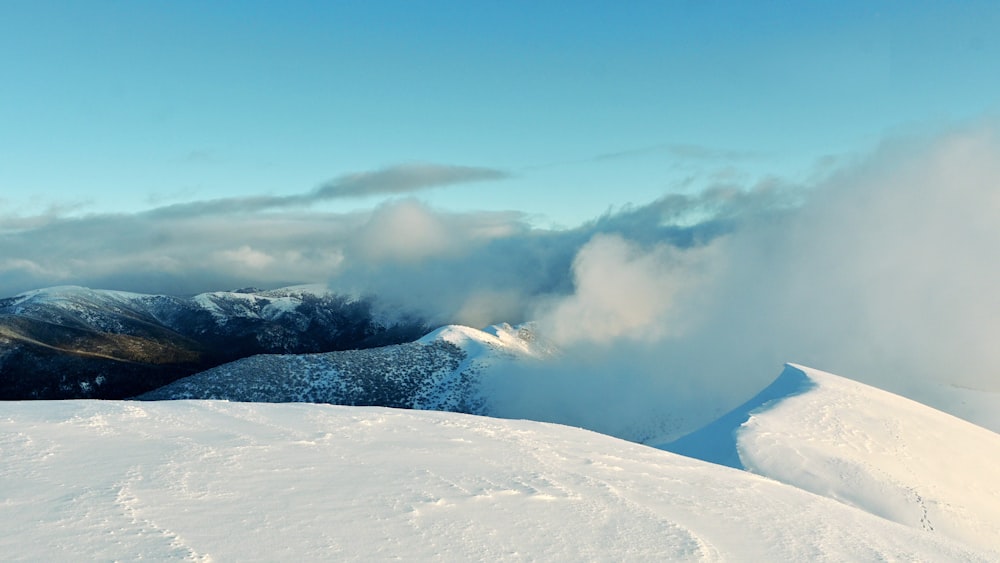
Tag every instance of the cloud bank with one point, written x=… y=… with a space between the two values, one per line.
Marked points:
x=885 y=269
x=404 y=178
x=393 y=180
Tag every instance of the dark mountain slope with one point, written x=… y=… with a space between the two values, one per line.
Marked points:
x=73 y=342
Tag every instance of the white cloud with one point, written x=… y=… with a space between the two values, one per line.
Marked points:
x=887 y=271
x=621 y=290
x=29 y=267
x=246 y=256
x=404 y=231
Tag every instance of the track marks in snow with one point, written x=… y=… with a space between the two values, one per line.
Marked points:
x=131 y=506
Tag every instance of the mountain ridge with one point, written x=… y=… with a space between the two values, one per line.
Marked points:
x=864 y=447
x=75 y=342
x=440 y=371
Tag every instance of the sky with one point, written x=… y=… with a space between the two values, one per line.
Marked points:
x=661 y=181
x=577 y=107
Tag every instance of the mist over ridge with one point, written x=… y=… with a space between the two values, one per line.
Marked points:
x=881 y=267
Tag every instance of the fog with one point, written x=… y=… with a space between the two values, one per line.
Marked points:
x=887 y=272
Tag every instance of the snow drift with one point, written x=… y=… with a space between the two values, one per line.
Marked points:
x=88 y=480
x=864 y=447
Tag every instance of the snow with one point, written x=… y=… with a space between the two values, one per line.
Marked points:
x=237 y=304
x=246 y=305
x=269 y=305
x=280 y=306
x=205 y=301
x=815 y=466
x=203 y=481
x=515 y=341
x=307 y=289
x=416 y=375
x=70 y=296
x=867 y=448
x=69 y=292
x=716 y=442
x=441 y=371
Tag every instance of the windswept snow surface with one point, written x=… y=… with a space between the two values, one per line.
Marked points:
x=866 y=448
x=201 y=480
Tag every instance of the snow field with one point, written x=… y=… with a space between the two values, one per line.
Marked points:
x=203 y=480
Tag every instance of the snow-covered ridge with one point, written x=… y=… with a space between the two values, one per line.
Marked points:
x=100 y=307
x=864 y=447
x=243 y=305
x=520 y=340
x=253 y=303
x=69 y=293
x=97 y=307
x=440 y=371
x=204 y=481
x=221 y=304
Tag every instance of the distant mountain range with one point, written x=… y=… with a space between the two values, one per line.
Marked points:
x=73 y=342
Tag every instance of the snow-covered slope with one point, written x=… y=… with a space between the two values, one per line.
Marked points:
x=494 y=342
x=111 y=480
x=866 y=448
x=438 y=372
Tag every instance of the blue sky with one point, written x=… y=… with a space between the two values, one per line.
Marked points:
x=584 y=106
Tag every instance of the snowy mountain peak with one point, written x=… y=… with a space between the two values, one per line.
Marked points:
x=519 y=340
x=865 y=447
